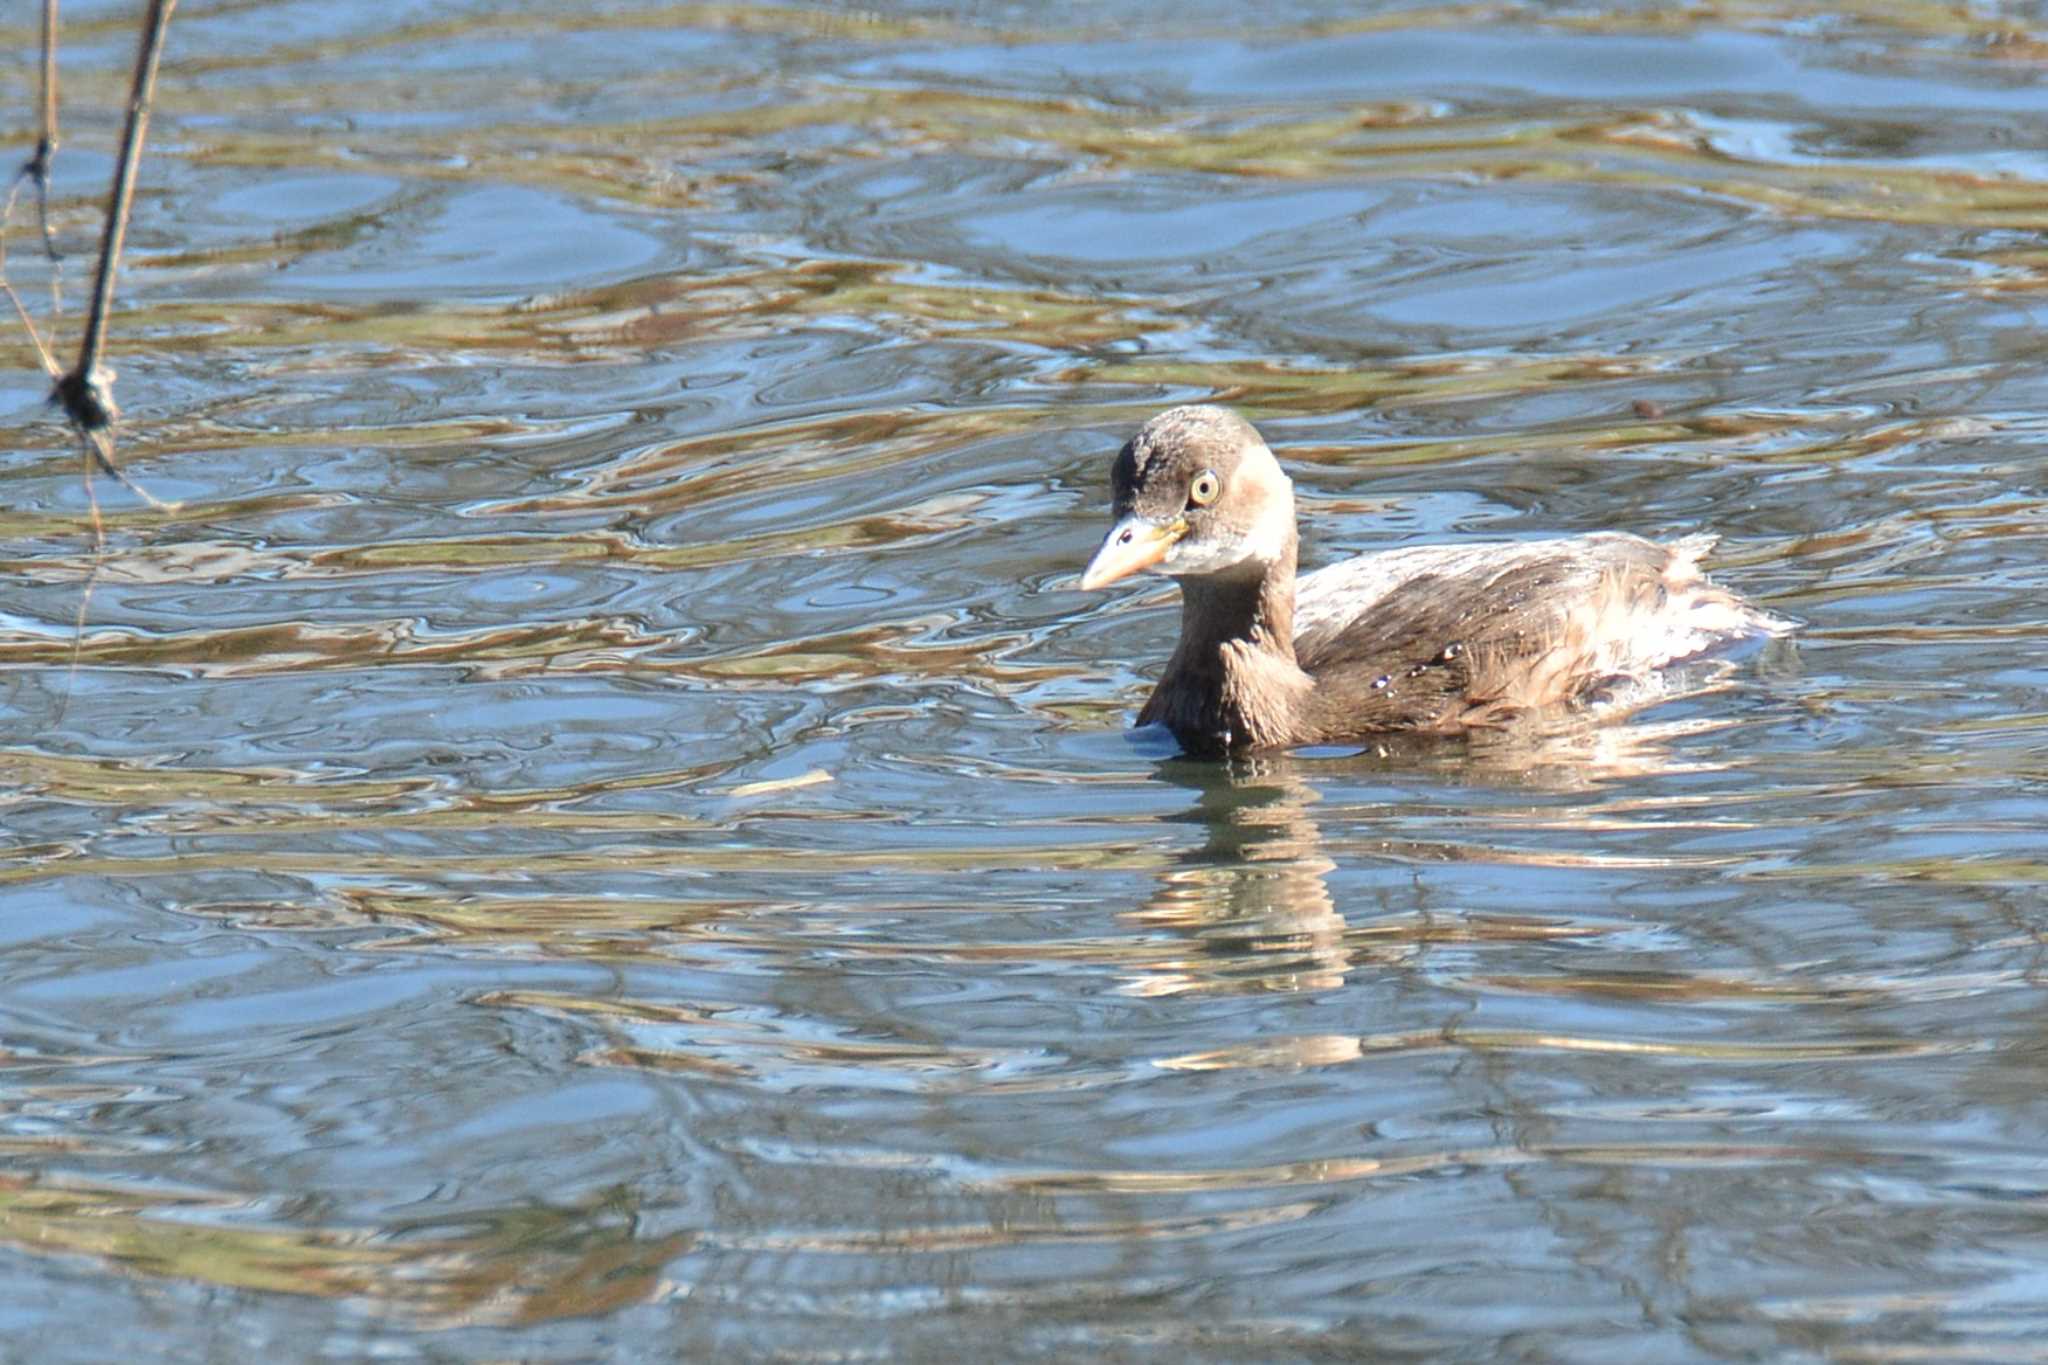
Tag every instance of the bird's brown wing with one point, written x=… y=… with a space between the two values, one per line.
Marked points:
x=1456 y=637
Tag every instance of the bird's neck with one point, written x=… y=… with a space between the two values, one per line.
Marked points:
x=1254 y=612
x=1233 y=681
x=1254 y=609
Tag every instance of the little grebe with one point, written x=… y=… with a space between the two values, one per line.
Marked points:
x=1441 y=638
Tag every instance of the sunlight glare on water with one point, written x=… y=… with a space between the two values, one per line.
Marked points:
x=600 y=825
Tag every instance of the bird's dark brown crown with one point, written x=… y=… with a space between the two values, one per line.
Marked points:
x=1153 y=470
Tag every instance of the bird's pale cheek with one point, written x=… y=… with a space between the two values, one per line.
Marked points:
x=1201 y=553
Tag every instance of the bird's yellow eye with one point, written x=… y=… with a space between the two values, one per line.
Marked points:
x=1204 y=489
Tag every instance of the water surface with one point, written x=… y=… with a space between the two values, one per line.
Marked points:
x=600 y=826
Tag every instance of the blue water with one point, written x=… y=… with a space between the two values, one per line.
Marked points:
x=600 y=826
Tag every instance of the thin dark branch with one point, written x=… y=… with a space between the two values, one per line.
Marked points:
x=49 y=74
x=36 y=170
x=38 y=167
x=85 y=391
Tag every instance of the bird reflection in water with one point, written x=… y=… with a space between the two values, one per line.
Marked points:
x=1252 y=909
x=1253 y=902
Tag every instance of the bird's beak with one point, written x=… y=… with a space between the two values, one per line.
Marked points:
x=1132 y=544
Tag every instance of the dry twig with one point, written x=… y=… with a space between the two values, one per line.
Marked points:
x=85 y=392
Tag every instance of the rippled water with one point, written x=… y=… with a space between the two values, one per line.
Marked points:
x=600 y=826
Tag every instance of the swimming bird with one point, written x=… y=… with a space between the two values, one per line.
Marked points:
x=1445 y=639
